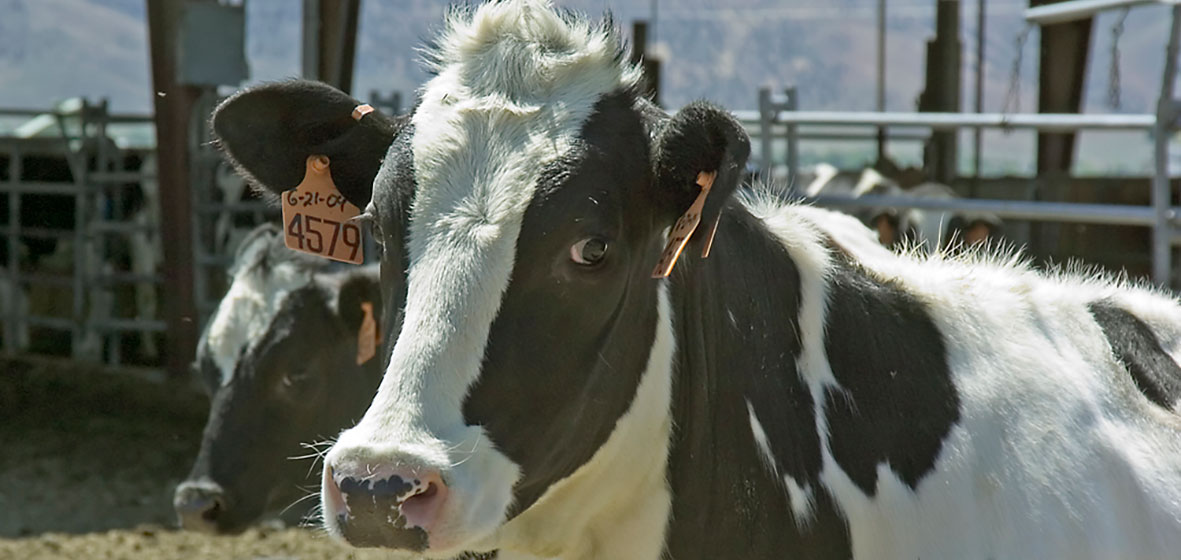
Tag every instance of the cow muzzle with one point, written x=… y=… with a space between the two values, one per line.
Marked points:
x=390 y=508
x=199 y=505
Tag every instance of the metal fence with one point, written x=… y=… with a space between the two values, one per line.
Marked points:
x=65 y=272
x=780 y=115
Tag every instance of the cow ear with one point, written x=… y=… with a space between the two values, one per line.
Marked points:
x=699 y=138
x=268 y=132
x=358 y=287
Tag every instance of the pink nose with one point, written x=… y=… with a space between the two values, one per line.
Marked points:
x=387 y=508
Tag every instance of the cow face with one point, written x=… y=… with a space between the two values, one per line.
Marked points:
x=523 y=206
x=279 y=359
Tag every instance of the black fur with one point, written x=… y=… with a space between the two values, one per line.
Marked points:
x=897 y=401
x=1155 y=373
x=738 y=339
x=269 y=131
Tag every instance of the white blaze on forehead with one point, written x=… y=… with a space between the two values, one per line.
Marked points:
x=515 y=85
x=255 y=296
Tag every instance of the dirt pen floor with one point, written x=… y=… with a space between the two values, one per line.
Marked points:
x=88 y=462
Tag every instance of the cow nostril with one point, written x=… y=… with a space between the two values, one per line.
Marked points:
x=213 y=511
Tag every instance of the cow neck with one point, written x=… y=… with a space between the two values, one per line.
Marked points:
x=736 y=322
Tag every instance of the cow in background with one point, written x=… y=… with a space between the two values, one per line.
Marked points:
x=279 y=359
x=909 y=227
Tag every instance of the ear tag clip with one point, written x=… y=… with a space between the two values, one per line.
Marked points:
x=367 y=336
x=361 y=110
x=683 y=230
x=316 y=217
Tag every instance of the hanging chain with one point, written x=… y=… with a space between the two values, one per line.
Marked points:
x=1012 y=102
x=1113 y=78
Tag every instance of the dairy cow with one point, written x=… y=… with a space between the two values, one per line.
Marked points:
x=280 y=359
x=790 y=396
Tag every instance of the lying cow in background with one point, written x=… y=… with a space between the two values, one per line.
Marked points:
x=786 y=397
x=904 y=227
x=279 y=357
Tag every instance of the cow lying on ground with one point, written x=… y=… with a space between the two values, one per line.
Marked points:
x=930 y=230
x=786 y=397
x=279 y=357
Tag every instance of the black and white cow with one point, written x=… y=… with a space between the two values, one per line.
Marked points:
x=279 y=358
x=790 y=396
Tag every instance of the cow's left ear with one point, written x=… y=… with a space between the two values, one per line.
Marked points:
x=699 y=138
x=357 y=288
x=269 y=131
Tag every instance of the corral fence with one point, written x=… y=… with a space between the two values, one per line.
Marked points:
x=779 y=117
x=75 y=224
x=80 y=248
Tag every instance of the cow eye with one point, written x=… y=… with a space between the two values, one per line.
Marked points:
x=589 y=251
x=295 y=378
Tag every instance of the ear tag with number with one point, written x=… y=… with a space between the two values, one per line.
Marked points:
x=316 y=217
x=367 y=336
x=684 y=228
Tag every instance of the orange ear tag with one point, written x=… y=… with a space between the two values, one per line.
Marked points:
x=367 y=336
x=684 y=228
x=316 y=217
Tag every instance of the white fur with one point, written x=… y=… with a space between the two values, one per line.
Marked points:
x=1056 y=454
x=246 y=310
x=515 y=83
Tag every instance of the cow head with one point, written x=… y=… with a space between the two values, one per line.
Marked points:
x=523 y=206
x=279 y=358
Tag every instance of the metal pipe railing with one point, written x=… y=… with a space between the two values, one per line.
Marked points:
x=1062 y=12
x=1108 y=214
x=1044 y=122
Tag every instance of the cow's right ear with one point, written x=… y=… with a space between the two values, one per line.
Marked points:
x=268 y=132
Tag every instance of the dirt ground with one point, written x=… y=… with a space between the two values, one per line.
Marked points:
x=88 y=462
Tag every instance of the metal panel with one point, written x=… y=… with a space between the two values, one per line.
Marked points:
x=211 y=45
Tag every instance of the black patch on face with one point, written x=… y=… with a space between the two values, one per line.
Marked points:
x=898 y=401
x=736 y=319
x=393 y=191
x=566 y=352
x=1136 y=347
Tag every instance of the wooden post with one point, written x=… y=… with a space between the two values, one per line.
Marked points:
x=651 y=65
x=174 y=111
x=942 y=91
x=330 y=41
x=1062 y=71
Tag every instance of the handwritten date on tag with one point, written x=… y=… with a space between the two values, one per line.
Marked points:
x=316 y=217
x=684 y=228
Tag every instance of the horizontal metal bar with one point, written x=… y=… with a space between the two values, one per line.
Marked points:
x=119 y=176
x=106 y=227
x=60 y=280
x=1013 y=209
x=245 y=207
x=214 y=260
x=115 y=278
x=36 y=187
x=58 y=323
x=116 y=324
x=1048 y=122
x=1063 y=12
x=37 y=232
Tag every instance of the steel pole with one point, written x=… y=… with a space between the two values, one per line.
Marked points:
x=1166 y=112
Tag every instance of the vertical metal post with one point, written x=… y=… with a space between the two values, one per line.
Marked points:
x=792 y=138
x=173 y=103
x=1162 y=199
x=80 y=278
x=766 y=118
x=310 y=59
x=881 y=90
x=978 y=133
x=14 y=318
